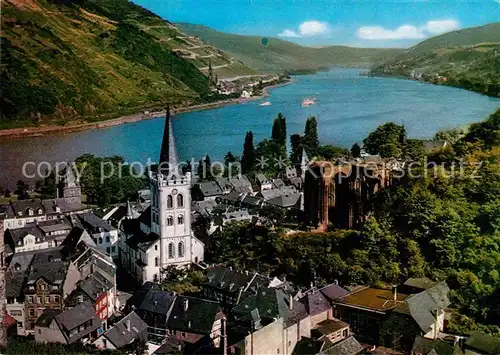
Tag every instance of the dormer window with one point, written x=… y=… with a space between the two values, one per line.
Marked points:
x=40 y=211
x=19 y=213
x=30 y=212
x=17 y=267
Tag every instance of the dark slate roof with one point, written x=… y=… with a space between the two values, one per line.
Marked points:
x=17 y=273
x=423 y=306
x=261 y=178
x=95 y=285
x=308 y=346
x=48 y=265
x=53 y=225
x=18 y=234
x=155 y=301
x=120 y=335
x=168 y=152
x=240 y=181
x=333 y=292
x=209 y=188
x=224 y=183
x=142 y=241
x=252 y=200
x=330 y=326
x=47 y=317
x=420 y=282
x=234 y=196
x=145 y=217
x=348 y=346
x=315 y=303
x=278 y=183
x=90 y=220
x=424 y=346
x=487 y=344
x=286 y=201
x=70 y=243
x=223 y=278
x=198 y=318
x=78 y=315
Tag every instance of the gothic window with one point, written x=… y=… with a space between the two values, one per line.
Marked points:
x=170 y=201
x=171 y=250
x=180 y=249
x=170 y=221
x=180 y=219
x=156 y=261
x=180 y=200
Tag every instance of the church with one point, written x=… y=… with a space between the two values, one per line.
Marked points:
x=162 y=236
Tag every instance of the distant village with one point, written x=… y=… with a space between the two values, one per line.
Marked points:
x=74 y=274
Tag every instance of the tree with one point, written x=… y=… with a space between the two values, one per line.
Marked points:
x=271 y=153
x=248 y=156
x=279 y=130
x=311 y=140
x=229 y=158
x=356 y=150
x=330 y=152
x=49 y=187
x=385 y=140
x=296 y=148
x=22 y=190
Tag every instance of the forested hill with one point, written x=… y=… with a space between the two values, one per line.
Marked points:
x=66 y=60
x=469 y=58
x=272 y=54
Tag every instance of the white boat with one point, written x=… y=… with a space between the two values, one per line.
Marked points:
x=308 y=101
x=266 y=103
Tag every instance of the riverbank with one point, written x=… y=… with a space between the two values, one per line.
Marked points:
x=25 y=132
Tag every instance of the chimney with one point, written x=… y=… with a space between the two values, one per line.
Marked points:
x=186 y=304
x=395 y=292
x=291 y=302
x=127 y=324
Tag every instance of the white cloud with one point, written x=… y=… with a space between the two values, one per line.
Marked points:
x=288 y=33
x=440 y=26
x=380 y=33
x=407 y=31
x=313 y=28
x=308 y=29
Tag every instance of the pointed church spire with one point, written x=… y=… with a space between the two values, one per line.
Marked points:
x=129 y=210
x=168 y=152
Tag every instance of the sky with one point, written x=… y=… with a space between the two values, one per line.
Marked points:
x=361 y=23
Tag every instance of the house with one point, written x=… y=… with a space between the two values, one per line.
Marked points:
x=20 y=212
x=333 y=292
x=479 y=343
x=365 y=308
x=264 y=182
x=271 y=320
x=317 y=306
x=252 y=203
x=129 y=331
x=50 y=280
x=278 y=183
x=425 y=346
x=104 y=235
x=270 y=194
x=419 y=314
x=286 y=201
x=206 y=190
x=153 y=306
x=191 y=319
x=416 y=285
x=38 y=235
x=79 y=323
x=224 y=184
x=241 y=184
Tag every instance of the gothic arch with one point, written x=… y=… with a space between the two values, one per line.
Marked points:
x=180 y=219
x=170 y=201
x=171 y=254
x=180 y=200
x=180 y=249
x=170 y=221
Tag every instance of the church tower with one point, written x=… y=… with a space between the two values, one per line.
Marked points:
x=171 y=207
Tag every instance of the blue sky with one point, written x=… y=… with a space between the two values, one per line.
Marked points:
x=365 y=23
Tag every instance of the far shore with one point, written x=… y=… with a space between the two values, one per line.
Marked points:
x=19 y=133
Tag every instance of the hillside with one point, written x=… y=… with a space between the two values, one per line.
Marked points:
x=467 y=58
x=278 y=55
x=92 y=59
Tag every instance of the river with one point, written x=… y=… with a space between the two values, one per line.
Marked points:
x=348 y=107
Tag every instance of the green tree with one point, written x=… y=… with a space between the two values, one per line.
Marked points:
x=385 y=140
x=22 y=190
x=329 y=152
x=279 y=130
x=296 y=148
x=248 y=156
x=356 y=150
x=49 y=187
x=311 y=140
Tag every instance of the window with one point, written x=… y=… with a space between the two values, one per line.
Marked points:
x=107 y=239
x=170 y=221
x=47 y=299
x=20 y=325
x=30 y=299
x=170 y=201
x=171 y=250
x=156 y=246
x=39 y=300
x=100 y=240
x=32 y=312
x=56 y=299
x=156 y=261
x=180 y=219
x=180 y=200
x=42 y=287
x=155 y=277
x=113 y=249
x=180 y=249
x=108 y=250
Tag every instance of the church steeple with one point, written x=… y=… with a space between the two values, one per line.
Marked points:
x=168 y=152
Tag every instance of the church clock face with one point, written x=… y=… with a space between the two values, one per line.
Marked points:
x=174 y=192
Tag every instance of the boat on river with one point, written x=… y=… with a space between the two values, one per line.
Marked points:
x=266 y=103
x=308 y=101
